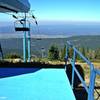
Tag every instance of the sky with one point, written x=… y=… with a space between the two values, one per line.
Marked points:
x=66 y=10
x=63 y=10
x=53 y=11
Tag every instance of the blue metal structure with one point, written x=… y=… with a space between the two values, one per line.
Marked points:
x=17 y=6
x=93 y=71
x=29 y=45
x=14 y=6
x=24 y=41
x=35 y=84
x=24 y=25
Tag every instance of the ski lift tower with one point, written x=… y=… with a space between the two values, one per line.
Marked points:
x=16 y=6
x=23 y=25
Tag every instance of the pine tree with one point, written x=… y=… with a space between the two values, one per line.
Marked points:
x=63 y=53
x=53 y=53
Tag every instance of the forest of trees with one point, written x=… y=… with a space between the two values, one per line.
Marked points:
x=57 y=53
x=54 y=53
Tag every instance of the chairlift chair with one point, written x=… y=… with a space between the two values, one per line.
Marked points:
x=21 y=26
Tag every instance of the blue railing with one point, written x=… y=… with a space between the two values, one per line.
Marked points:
x=93 y=71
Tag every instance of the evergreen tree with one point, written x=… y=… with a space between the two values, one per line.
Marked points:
x=97 y=53
x=53 y=53
x=77 y=56
x=83 y=51
x=63 y=53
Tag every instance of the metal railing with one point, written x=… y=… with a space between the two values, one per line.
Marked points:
x=93 y=71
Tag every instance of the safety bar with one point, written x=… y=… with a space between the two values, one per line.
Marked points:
x=93 y=71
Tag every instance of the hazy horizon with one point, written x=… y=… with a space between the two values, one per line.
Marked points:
x=54 y=28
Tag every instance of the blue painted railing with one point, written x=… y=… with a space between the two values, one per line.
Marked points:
x=93 y=71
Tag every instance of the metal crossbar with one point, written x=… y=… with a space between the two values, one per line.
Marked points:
x=93 y=71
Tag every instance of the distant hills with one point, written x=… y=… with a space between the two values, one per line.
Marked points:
x=56 y=29
x=15 y=45
x=88 y=41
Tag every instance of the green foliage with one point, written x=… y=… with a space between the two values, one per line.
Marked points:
x=63 y=53
x=12 y=56
x=89 y=53
x=97 y=53
x=70 y=52
x=53 y=53
x=83 y=51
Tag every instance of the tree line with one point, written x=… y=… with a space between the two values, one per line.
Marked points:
x=57 y=53
x=54 y=53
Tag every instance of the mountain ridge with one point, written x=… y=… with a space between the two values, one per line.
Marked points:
x=15 y=45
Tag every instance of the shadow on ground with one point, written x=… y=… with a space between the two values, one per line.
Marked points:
x=14 y=69
x=9 y=72
x=79 y=91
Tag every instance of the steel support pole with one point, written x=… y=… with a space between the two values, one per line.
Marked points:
x=91 y=85
x=24 y=42
x=29 y=45
x=73 y=66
